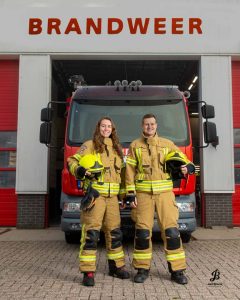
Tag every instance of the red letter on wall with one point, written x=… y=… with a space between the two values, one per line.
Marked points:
x=176 y=25
x=195 y=23
x=73 y=26
x=91 y=24
x=138 y=24
x=35 y=26
x=54 y=24
x=119 y=27
x=159 y=25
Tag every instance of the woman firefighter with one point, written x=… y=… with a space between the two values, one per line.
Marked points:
x=99 y=163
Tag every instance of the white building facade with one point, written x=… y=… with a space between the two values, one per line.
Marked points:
x=34 y=33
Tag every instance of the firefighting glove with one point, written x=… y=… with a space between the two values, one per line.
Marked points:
x=80 y=172
x=129 y=199
x=89 y=199
x=191 y=168
x=121 y=197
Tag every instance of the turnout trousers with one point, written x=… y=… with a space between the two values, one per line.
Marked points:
x=167 y=216
x=106 y=215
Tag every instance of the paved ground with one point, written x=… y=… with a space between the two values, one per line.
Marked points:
x=48 y=269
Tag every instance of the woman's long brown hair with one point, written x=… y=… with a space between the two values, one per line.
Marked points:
x=98 y=139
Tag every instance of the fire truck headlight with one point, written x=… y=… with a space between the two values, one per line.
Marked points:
x=125 y=83
x=71 y=207
x=138 y=82
x=117 y=82
x=186 y=207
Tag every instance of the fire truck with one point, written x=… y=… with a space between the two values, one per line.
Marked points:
x=126 y=104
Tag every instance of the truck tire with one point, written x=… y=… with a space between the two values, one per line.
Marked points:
x=186 y=237
x=72 y=238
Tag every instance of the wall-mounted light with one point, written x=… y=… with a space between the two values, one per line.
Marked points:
x=195 y=79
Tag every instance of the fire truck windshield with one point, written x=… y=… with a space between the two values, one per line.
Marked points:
x=171 y=118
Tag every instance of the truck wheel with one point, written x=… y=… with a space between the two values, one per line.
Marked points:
x=186 y=237
x=72 y=238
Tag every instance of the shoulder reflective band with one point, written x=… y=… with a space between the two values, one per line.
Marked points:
x=140 y=167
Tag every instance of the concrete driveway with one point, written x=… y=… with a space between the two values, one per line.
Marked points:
x=45 y=267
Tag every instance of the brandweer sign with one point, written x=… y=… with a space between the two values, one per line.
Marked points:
x=115 y=26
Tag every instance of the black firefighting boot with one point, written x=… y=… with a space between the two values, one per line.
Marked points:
x=117 y=272
x=179 y=277
x=141 y=276
x=88 y=279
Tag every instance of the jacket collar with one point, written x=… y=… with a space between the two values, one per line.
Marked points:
x=152 y=140
x=108 y=141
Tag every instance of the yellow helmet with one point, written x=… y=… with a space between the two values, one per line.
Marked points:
x=92 y=162
x=173 y=161
x=177 y=157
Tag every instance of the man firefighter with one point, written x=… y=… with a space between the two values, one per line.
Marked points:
x=99 y=163
x=149 y=186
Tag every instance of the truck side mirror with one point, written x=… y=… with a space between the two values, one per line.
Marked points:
x=46 y=114
x=45 y=133
x=208 y=111
x=210 y=133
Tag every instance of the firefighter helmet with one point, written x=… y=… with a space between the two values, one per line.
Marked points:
x=92 y=163
x=177 y=157
x=89 y=199
x=173 y=161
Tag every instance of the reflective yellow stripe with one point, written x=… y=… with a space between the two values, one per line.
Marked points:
x=115 y=255
x=172 y=257
x=130 y=188
x=104 y=188
x=140 y=175
x=122 y=191
x=72 y=168
x=155 y=185
x=82 y=240
x=165 y=151
x=131 y=161
x=77 y=156
x=142 y=256
x=107 y=188
x=87 y=258
x=101 y=178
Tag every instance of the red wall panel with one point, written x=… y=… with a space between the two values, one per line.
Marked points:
x=8 y=122
x=8 y=94
x=236 y=93
x=8 y=207
x=236 y=206
x=236 y=124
